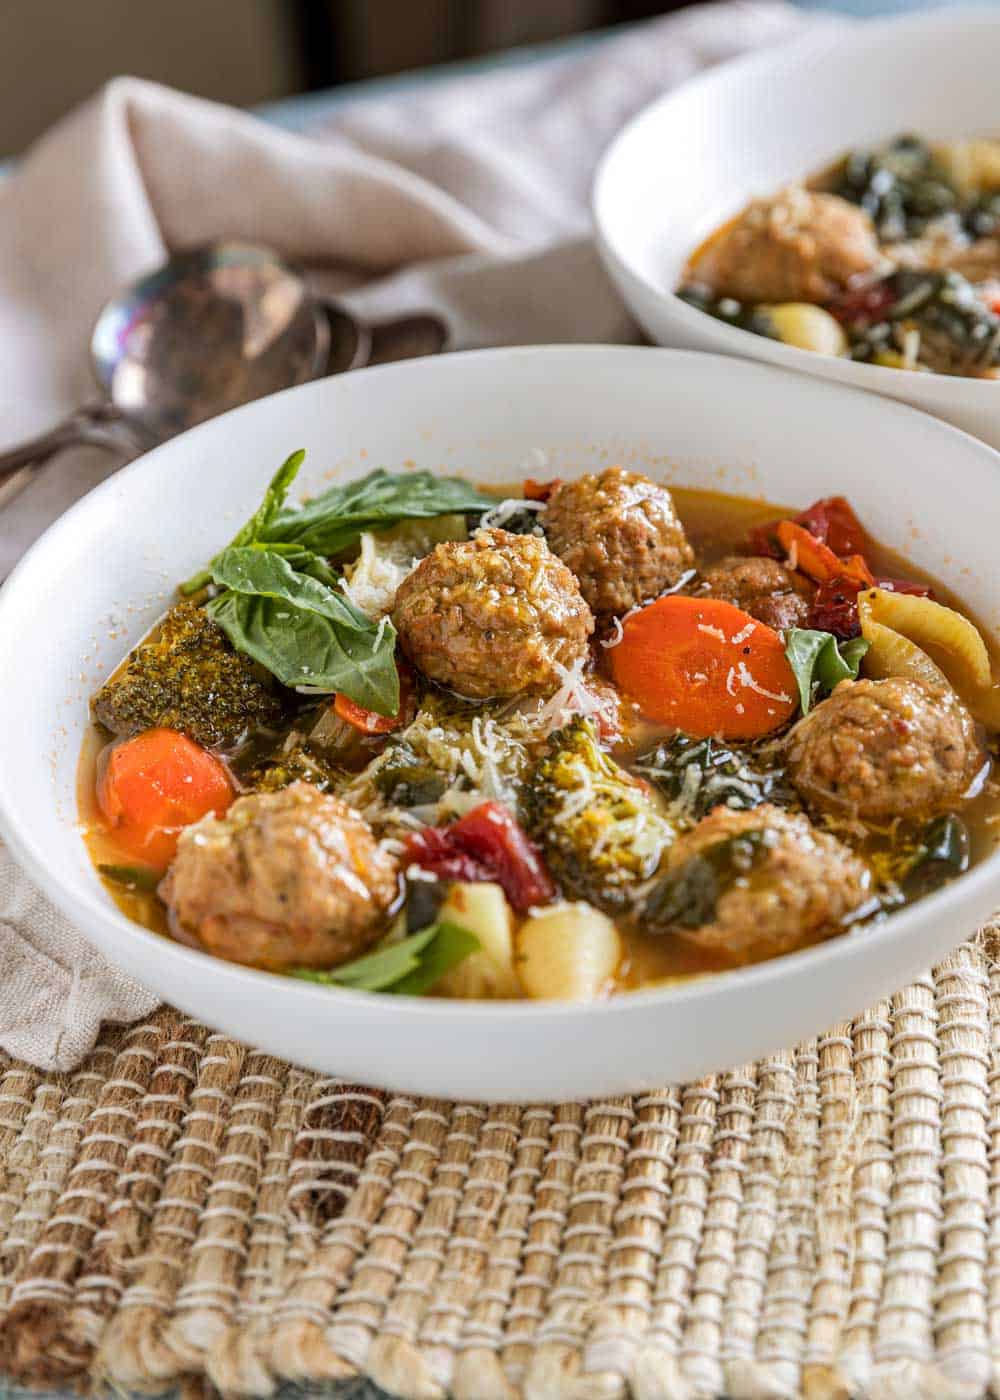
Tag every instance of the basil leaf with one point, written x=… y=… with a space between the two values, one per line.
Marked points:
x=820 y=662
x=269 y=574
x=407 y=968
x=138 y=878
x=330 y=648
x=330 y=523
x=256 y=527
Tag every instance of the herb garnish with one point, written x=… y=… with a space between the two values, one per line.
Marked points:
x=281 y=602
x=821 y=662
x=407 y=968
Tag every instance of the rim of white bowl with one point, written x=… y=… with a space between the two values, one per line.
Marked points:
x=855 y=34
x=63 y=892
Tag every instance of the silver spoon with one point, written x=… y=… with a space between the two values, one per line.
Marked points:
x=213 y=328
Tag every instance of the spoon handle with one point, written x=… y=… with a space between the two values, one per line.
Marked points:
x=91 y=425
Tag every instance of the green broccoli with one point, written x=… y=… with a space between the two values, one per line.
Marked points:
x=298 y=764
x=601 y=830
x=187 y=677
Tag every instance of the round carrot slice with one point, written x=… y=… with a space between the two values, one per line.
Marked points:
x=154 y=785
x=706 y=668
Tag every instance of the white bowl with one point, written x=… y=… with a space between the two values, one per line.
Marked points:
x=100 y=576
x=695 y=157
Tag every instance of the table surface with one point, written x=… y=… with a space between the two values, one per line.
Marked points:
x=298 y=114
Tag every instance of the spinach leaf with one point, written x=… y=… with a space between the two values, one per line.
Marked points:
x=942 y=854
x=256 y=527
x=407 y=968
x=330 y=523
x=137 y=878
x=688 y=896
x=820 y=662
x=303 y=631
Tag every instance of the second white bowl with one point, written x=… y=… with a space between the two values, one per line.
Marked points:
x=694 y=158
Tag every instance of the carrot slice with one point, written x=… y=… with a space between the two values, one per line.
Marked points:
x=154 y=785
x=368 y=721
x=705 y=667
x=816 y=559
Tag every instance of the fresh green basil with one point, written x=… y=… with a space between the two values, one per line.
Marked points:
x=407 y=968
x=330 y=523
x=303 y=631
x=942 y=853
x=256 y=527
x=820 y=662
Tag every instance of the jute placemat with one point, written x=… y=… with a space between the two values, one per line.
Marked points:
x=826 y=1222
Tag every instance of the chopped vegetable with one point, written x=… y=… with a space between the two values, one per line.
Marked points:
x=409 y=967
x=942 y=854
x=187 y=676
x=600 y=828
x=486 y=844
x=154 y=785
x=834 y=608
x=816 y=559
x=831 y=520
x=705 y=667
x=141 y=879
x=368 y=721
x=407 y=781
x=901 y=185
x=687 y=898
x=540 y=490
x=293 y=764
x=696 y=775
x=820 y=662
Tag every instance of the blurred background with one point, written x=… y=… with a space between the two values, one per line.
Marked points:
x=251 y=52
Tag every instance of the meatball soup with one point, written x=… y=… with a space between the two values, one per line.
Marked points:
x=558 y=740
x=890 y=257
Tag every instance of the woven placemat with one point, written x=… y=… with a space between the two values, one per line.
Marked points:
x=182 y=1209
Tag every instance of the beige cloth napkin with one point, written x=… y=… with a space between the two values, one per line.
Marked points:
x=469 y=196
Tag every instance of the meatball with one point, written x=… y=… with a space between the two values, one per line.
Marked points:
x=497 y=615
x=620 y=535
x=787 y=886
x=798 y=246
x=878 y=749
x=284 y=879
x=767 y=590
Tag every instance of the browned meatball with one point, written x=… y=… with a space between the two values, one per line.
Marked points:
x=620 y=535
x=284 y=879
x=798 y=246
x=882 y=749
x=492 y=616
x=787 y=886
x=767 y=590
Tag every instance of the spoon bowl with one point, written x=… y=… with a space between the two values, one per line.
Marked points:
x=212 y=329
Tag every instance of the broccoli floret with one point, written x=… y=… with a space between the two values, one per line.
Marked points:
x=600 y=829
x=298 y=764
x=187 y=677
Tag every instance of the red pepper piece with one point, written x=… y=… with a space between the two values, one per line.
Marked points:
x=488 y=843
x=540 y=490
x=835 y=608
x=905 y=585
x=831 y=521
x=863 y=307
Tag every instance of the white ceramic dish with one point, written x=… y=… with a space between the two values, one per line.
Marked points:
x=104 y=572
x=694 y=158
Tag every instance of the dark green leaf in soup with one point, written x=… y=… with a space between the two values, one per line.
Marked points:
x=140 y=879
x=696 y=775
x=943 y=853
x=304 y=632
x=687 y=897
x=332 y=522
x=820 y=662
x=409 y=967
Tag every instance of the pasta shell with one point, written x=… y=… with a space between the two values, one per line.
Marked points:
x=948 y=637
